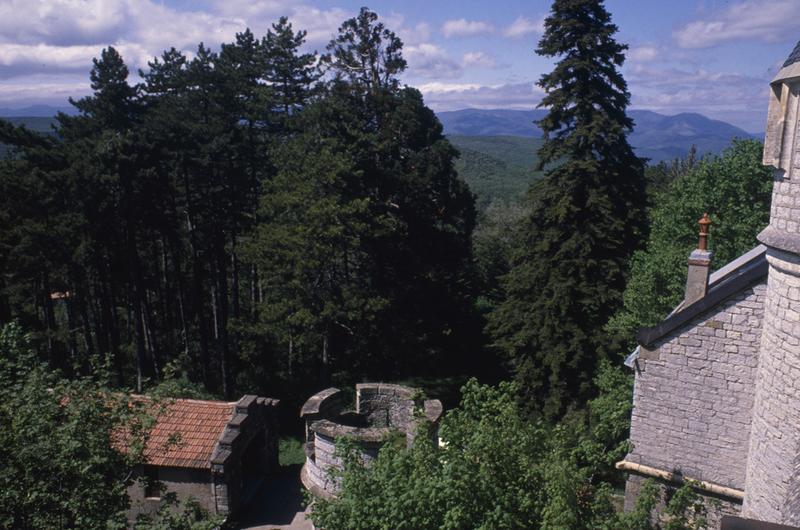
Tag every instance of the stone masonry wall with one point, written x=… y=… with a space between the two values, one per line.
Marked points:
x=381 y=411
x=772 y=490
x=386 y=405
x=785 y=208
x=693 y=395
x=186 y=483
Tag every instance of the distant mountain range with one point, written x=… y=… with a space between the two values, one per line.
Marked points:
x=655 y=136
x=498 y=147
x=36 y=111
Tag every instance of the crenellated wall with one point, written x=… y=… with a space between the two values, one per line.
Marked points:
x=249 y=441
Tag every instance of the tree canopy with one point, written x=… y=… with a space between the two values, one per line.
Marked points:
x=734 y=188
x=495 y=469
x=251 y=217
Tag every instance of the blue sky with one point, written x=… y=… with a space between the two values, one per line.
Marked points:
x=709 y=56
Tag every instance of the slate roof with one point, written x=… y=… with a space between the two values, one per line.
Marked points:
x=186 y=432
x=747 y=269
x=793 y=57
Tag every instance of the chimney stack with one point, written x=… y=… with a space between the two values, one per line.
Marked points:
x=699 y=266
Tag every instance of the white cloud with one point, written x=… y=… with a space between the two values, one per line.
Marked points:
x=524 y=26
x=42 y=89
x=437 y=87
x=454 y=96
x=478 y=59
x=641 y=54
x=410 y=35
x=727 y=96
x=51 y=37
x=773 y=21
x=428 y=60
x=466 y=28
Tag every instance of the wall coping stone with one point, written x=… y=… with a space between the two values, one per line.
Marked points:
x=433 y=410
x=315 y=403
x=362 y=434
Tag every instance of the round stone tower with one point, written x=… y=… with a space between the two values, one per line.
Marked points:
x=772 y=486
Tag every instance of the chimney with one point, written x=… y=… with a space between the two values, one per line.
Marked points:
x=699 y=266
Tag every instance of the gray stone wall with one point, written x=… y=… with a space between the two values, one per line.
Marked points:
x=318 y=476
x=716 y=507
x=249 y=442
x=184 y=482
x=693 y=394
x=386 y=405
x=381 y=411
x=772 y=490
x=785 y=208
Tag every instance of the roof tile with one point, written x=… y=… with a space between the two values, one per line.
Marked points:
x=186 y=432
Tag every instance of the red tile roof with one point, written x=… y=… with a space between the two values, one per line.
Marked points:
x=186 y=431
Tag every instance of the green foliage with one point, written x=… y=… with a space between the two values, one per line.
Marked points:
x=366 y=55
x=495 y=469
x=290 y=451
x=494 y=242
x=364 y=231
x=176 y=515
x=69 y=449
x=586 y=216
x=483 y=477
x=176 y=384
x=685 y=510
x=497 y=168
x=237 y=222
x=60 y=468
x=734 y=188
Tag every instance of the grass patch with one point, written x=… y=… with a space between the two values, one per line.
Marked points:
x=290 y=451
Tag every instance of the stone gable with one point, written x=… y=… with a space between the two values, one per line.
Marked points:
x=693 y=395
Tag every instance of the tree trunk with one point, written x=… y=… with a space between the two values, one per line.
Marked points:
x=197 y=270
x=222 y=321
x=325 y=373
x=235 y=279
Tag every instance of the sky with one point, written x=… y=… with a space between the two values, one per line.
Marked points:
x=714 y=57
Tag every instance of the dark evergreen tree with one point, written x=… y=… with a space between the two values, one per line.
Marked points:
x=290 y=74
x=366 y=54
x=587 y=215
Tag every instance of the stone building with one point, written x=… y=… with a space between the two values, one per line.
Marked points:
x=214 y=451
x=717 y=391
x=380 y=411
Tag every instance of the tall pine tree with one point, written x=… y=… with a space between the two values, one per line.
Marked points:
x=587 y=215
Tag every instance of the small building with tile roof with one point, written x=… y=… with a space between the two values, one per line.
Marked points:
x=716 y=400
x=216 y=452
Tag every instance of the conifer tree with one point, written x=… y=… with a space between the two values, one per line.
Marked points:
x=290 y=74
x=587 y=215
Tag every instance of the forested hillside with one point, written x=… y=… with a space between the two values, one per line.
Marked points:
x=497 y=167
